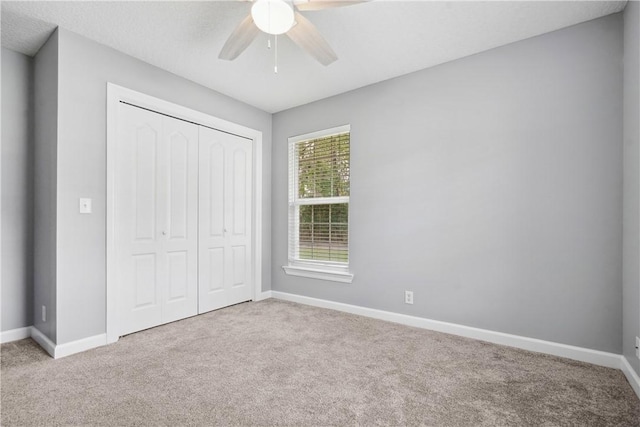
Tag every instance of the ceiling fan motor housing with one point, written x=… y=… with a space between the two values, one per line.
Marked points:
x=273 y=16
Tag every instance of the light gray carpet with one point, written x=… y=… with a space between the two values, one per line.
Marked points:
x=279 y=363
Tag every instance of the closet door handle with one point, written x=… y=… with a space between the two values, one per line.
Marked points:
x=164 y=233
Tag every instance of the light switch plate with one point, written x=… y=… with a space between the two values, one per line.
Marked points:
x=85 y=206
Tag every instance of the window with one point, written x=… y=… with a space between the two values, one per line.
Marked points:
x=319 y=175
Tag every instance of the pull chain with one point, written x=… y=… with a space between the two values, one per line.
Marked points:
x=275 y=52
x=275 y=67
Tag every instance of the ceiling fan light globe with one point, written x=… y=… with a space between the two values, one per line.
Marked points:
x=273 y=16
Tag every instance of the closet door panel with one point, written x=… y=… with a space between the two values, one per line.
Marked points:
x=239 y=240
x=212 y=232
x=213 y=265
x=181 y=219
x=225 y=222
x=156 y=219
x=137 y=210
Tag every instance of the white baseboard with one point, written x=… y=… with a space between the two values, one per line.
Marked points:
x=15 y=334
x=263 y=296
x=601 y=358
x=78 y=346
x=55 y=351
x=631 y=375
x=44 y=341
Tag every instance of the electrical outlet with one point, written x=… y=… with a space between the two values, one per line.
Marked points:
x=85 y=206
x=638 y=347
x=408 y=297
x=44 y=313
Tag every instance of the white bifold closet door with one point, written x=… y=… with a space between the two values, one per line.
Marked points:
x=225 y=220
x=156 y=212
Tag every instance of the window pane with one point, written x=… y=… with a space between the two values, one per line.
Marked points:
x=323 y=167
x=324 y=232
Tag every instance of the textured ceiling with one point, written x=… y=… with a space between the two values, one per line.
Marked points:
x=374 y=41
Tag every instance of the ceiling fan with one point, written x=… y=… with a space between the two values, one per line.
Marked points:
x=277 y=17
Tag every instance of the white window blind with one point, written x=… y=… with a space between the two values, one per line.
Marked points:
x=319 y=175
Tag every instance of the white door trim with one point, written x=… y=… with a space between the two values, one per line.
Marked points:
x=116 y=94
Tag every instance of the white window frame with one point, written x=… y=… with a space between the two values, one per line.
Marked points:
x=323 y=270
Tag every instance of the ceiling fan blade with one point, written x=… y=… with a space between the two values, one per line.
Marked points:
x=310 y=5
x=307 y=36
x=240 y=39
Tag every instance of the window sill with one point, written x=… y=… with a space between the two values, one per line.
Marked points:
x=314 y=273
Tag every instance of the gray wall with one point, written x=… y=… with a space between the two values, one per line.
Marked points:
x=85 y=69
x=17 y=190
x=491 y=186
x=631 y=240
x=45 y=184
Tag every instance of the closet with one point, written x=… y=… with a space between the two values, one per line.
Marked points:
x=182 y=214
